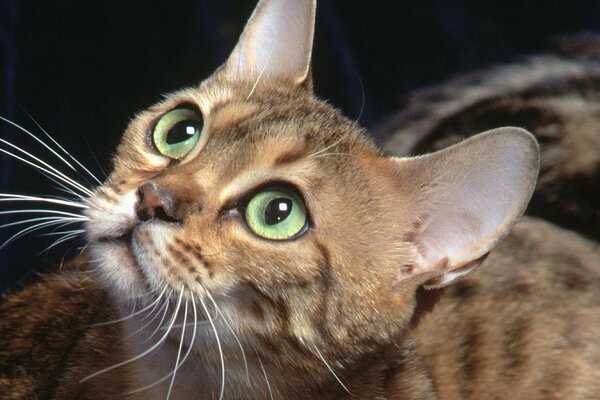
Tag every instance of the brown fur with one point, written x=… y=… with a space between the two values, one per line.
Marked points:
x=49 y=341
x=475 y=343
x=328 y=314
x=525 y=326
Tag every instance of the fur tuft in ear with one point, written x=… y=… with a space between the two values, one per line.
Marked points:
x=276 y=43
x=466 y=198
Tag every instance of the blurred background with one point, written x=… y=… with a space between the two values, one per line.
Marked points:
x=83 y=69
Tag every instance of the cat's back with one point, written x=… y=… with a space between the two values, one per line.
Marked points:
x=524 y=326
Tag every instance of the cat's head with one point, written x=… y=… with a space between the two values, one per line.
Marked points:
x=249 y=194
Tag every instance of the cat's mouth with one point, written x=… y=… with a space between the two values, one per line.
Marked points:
x=124 y=239
x=122 y=249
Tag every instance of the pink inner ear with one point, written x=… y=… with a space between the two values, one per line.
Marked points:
x=467 y=220
x=479 y=188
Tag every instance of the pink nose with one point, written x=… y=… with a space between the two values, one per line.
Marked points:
x=154 y=203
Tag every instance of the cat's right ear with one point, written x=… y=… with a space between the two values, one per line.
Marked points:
x=461 y=201
x=276 y=44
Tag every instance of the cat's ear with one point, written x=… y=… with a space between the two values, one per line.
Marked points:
x=276 y=44
x=464 y=199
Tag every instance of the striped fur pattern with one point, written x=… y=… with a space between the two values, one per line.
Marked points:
x=175 y=297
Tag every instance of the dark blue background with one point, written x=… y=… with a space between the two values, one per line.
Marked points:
x=83 y=68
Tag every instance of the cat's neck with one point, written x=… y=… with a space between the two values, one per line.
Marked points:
x=241 y=374
x=248 y=376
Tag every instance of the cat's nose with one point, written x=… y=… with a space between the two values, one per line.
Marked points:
x=155 y=203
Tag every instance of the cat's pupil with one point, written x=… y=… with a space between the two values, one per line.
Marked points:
x=183 y=130
x=277 y=210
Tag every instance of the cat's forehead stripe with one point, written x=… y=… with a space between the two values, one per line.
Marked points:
x=288 y=157
x=210 y=97
x=229 y=114
x=302 y=174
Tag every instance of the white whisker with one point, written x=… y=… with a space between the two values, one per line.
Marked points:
x=145 y=353
x=75 y=231
x=177 y=366
x=262 y=367
x=364 y=100
x=19 y=197
x=62 y=240
x=134 y=313
x=336 y=154
x=61 y=148
x=174 y=373
x=33 y=228
x=335 y=143
x=22 y=129
x=331 y=370
x=57 y=219
x=262 y=71
x=225 y=319
x=188 y=324
x=44 y=211
x=154 y=314
x=164 y=314
x=49 y=170
x=65 y=189
x=212 y=323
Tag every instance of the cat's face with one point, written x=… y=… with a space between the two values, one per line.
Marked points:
x=264 y=210
x=319 y=272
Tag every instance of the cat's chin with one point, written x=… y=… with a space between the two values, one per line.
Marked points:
x=124 y=265
x=117 y=268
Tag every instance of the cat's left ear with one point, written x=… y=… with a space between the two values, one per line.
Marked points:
x=276 y=44
x=462 y=201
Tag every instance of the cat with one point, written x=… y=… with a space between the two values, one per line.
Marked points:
x=253 y=243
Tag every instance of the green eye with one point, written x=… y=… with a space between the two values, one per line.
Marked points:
x=177 y=132
x=277 y=213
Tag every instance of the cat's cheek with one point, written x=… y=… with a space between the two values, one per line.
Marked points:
x=117 y=269
x=163 y=262
x=150 y=257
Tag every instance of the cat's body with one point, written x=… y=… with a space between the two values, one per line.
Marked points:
x=525 y=326
x=252 y=243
